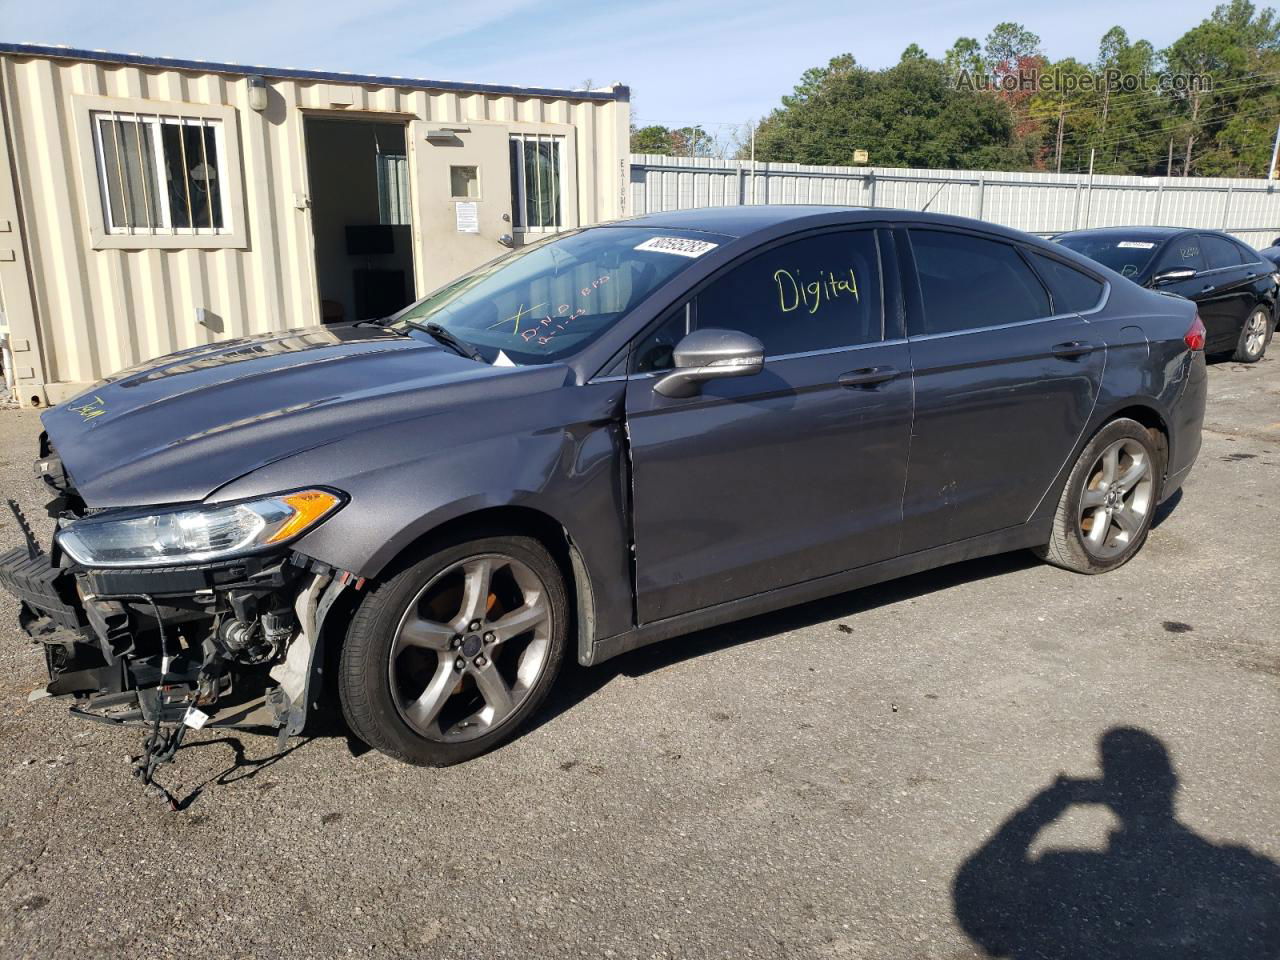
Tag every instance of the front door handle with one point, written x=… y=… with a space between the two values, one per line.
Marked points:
x=1209 y=289
x=867 y=376
x=1073 y=348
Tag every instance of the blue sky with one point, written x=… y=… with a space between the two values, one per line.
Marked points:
x=686 y=60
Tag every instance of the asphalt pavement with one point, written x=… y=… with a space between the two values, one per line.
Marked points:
x=874 y=775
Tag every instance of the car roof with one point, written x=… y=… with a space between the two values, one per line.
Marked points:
x=1149 y=233
x=744 y=221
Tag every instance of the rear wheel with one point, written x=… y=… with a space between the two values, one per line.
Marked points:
x=1254 y=337
x=449 y=657
x=1108 y=503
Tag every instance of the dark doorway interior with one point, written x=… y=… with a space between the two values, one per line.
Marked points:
x=360 y=216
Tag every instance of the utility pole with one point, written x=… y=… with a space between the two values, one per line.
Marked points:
x=1275 y=154
x=753 y=161
x=1061 y=114
x=1191 y=134
x=1169 y=169
x=1088 y=200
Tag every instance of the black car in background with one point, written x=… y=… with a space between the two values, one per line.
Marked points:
x=1272 y=252
x=1233 y=286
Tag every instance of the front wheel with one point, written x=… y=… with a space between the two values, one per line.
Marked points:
x=1254 y=337
x=447 y=658
x=1110 y=498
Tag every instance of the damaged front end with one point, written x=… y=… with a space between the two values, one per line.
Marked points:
x=180 y=617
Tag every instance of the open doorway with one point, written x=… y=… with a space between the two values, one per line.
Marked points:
x=360 y=217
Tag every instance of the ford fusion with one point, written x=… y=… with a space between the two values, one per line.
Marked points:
x=614 y=437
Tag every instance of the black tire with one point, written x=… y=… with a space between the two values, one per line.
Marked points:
x=1251 y=346
x=1067 y=546
x=364 y=681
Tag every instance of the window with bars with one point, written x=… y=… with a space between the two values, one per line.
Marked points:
x=160 y=174
x=536 y=191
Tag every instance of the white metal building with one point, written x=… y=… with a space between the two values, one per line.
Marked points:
x=151 y=204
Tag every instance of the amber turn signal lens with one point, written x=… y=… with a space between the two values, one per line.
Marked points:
x=309 y=507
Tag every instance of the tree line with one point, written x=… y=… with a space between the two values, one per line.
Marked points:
x=1206 y=105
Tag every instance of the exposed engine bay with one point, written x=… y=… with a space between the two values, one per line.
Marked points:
x=231 y=643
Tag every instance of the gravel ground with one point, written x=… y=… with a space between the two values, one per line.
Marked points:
x=823 y=782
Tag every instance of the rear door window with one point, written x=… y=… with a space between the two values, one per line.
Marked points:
x=1071 y=290
x=968 y=281
x=1181 y=252
x=815 y=293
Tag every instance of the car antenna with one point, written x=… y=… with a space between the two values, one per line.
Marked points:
x=933 y=198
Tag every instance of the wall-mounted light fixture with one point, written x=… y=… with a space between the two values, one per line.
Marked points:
x=258 y=93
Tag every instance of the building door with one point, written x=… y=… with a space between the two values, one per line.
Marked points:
x=482 y=188
x=361 y=216
x=463 y=191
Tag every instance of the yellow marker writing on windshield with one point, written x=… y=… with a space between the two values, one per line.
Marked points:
x=522 y=312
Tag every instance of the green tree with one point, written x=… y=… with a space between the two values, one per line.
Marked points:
x=909 y=115
x=965 y=56
x=679 y=142
x=651 y=139
x=1007 y=44
x=1227 y=130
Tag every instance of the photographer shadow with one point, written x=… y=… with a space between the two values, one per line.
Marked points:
x=1158 y=890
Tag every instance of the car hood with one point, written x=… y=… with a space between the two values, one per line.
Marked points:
x=176 y=429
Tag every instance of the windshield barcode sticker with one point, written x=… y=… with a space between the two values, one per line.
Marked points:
x=1134 y=245
x=680 y=246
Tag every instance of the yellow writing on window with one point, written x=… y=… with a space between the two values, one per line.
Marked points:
x=795 y=293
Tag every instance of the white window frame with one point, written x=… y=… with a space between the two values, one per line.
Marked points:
x=152 y=114
x=162 y=202
x=519 y=210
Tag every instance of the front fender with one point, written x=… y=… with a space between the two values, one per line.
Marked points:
x=409 y=479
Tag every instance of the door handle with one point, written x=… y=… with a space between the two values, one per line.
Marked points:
x=867 y=376
x=1209 y=289
x=1073 y=348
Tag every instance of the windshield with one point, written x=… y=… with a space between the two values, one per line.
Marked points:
x=549 y=300
x=1126 y=256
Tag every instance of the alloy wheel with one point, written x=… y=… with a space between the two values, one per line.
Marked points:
x=1118 y=496
x=1255 y=333
x=470 y=648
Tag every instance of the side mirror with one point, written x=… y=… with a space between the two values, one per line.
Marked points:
x=710 y=355
x=1172 y=276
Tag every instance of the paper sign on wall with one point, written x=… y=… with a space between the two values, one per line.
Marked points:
x=468 y=216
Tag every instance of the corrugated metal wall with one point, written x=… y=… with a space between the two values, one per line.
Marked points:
x=1036 y=202
x=99 y=310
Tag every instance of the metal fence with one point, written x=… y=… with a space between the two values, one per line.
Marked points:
x=1042 y=203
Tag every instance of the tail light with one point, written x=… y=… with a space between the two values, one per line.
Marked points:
x=1195 y=336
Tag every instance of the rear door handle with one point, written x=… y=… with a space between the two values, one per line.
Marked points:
x=1073 y=348
x=1209 y=289
x=867 y=376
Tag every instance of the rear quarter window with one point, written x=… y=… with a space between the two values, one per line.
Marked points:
x=1219 y=252
x=1071 y=290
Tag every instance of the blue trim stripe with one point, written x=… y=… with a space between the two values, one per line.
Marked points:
x=288 y=73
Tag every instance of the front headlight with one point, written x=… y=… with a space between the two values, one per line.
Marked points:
x=195 y=534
